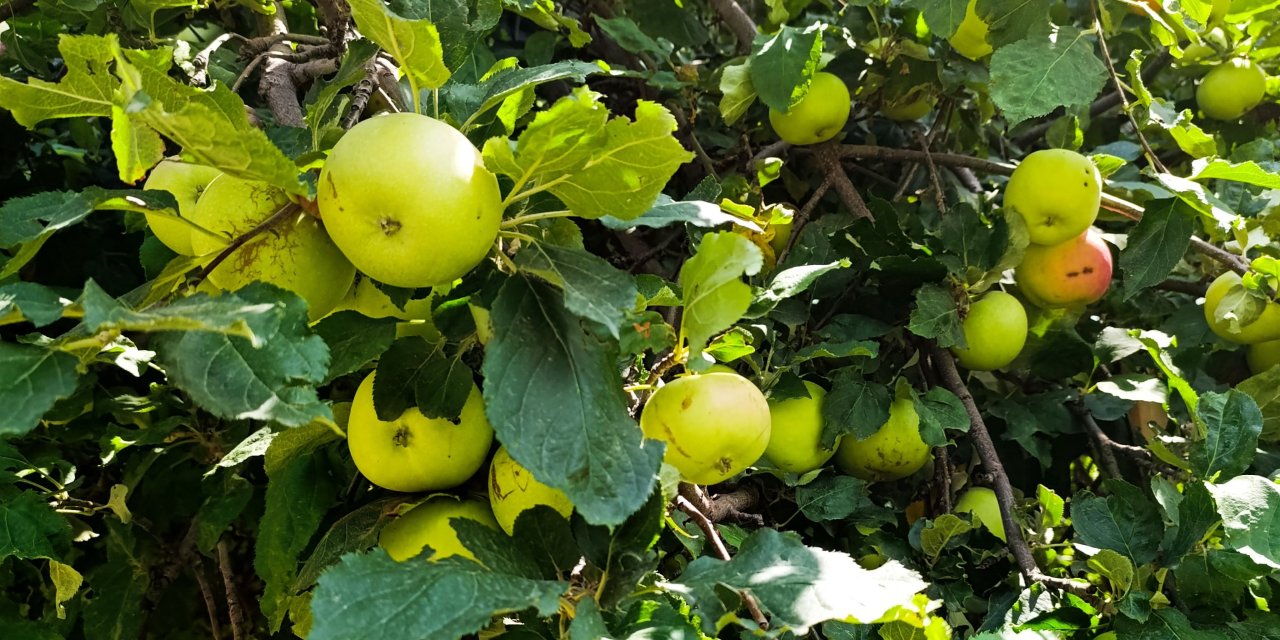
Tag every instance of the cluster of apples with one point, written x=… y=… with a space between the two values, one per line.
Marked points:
x=1261 y=335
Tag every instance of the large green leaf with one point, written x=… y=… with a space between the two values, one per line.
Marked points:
x=937 y=316
x=1250 y=510
x=1233 y=422
x=85 y=90
x=1126 y=521
x=1042 y=72
x=32 y=379
x=415 y=44
x=29 y=528
x=855 y=407
x=714 y=295
x=782 y=65
x=593 y=289
x=1156 y=244
x=414 y=373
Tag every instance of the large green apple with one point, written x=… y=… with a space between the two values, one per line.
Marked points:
x=715 y=425
x=893 y=452
x=1263 y=355
x=819 y=116
x=408 y=200
x=186 y=182
x=296 y=254
x=795 y=438
x=414 y=452
x=995 y=331
x=981 y=502
x=430 y=524
x=1072 y=274
x=513 y=490
x=970 y=38
x=1057 y=191
x=1231 y=89
x=1264 y=328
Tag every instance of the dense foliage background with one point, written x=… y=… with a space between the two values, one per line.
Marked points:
x=151 y=489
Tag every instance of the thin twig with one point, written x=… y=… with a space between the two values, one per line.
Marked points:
x=801 y=217
x=701 y=153
x=950 y=378
x=360 y=96
x=736 y=18
x=938 y=195
x=1124 y=100
x=271 y=221
x=717 y=544
x=1101 y=441
x=210 y=606
x=228 y=584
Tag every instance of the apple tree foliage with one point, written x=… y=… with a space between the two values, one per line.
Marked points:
x=172 y=463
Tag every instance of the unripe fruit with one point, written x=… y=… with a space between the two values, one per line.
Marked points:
x=995 y=331
x=513 y=490
x=1264 y=328
x=430 y=525
x=894 y=452
x=1263 y=355
x=970 y=38
x=981 y=502
x=1072 y=274
x=819 y=116
x=908 y=108
x=1057 y=192
x=795 y=438
x=1231 y=89
x=413 y=452
x=422 y=216
x=186 y=182
x=715 y=425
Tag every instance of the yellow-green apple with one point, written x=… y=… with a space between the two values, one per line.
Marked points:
x=893 y=452
x=819 y=116
x=795 y=437
x=430 y=524
x=970 y=38
x=513 y=490
x=1072 y=274
x=1263 y=328
x=1263 y=355
x=1057 y=192
x=981 y=503
x=995 y=331
x=408 y=200
x=1231 y=89
x=715 y=425
x=295 y=254
x=910 y=107
x=413 y=452
x=186 y=182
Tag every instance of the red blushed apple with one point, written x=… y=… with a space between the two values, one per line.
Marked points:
x=1074 y=273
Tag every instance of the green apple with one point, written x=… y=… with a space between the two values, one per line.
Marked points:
x=186 y=182
x=995 y=331
x=413 y=452
x=484 y=324
x=715 y=425
x=1057 y=192
x=795 y=437
x=408 y=200
x=1263 y=355
x=1231 y=89
x=970 y=38
x=1072 y=274
x=982 y=504
x=296 y=254
x=513 y=490
x=893 y=452
x=430 y=524
x=1265 y=328
x=909 y=108
x=819 y=116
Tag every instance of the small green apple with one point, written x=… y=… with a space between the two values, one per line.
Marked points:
x=409 y=201
x=982 y=503
x=1057 y=192
x=995 y=331
x=1072 y=274
x=1265 y=328
x=819 y=116
x=715 y=425
x=430 y=524
x=893 y=452
x=296 y=254
x=970 y=38
x=795 y=436
x=1263 y=355
x=1231 y=89
x=186 y=182
x=413 y=452
x=909 y=108
x=513 y=490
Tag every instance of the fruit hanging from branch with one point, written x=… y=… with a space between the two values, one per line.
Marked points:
x=893 y=452
x=430 y=524
x=715 y=425
x=1057 y=193
x=1231 y=89
x=795 y=438
x=187 y=182
x=819 y=116
x=1074 y=273
x=994 y=331
x=1227 y=323
x=513 y=490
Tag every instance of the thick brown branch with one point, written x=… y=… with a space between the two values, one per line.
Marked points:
x=717 y=544
x=276 y=86
x=1191 y=288
x=736 y=18
x=829 y=159
x=950 y=378
x=730 y=506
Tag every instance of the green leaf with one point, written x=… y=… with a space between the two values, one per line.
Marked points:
x=229 y=377
x=1201 y=584
x=782 y=65
x=941 y=533
x=1197 y=514
x=493 y=91
x=351 y=71
x=541 y=547
x=937 y=316
x=943 y=16
x=415 y=44
x=461 y=24
x=137 y=147
x=354 y=340
x=226 y=500
x=833 y=497
x=1126 y=521
x=1250 y=510
x=1164 y=624
x=1156 y=244
x=805 y=586
x=415 y=373
x=1052 y=506
x=300 y=488
x=627 y=34
x=372 y=597
x=1264 y=388
x=119 y=588
x=228 y=315
x=1012 y=20
x=853 y=408
x=1245 y=172
x=32 y=379
x=666 y=211
x=1115 y=568
x=1233 y=422
x=34 y=217
x=593 y=289
x=355 y=531
x=1036 y=75
x=714 y=295
x=30 y=528
x=790 y=283
x=588 y=624
x=85 y=90
x=66 y=582
x=583 y=443
x=738 y=91
x=37 y=303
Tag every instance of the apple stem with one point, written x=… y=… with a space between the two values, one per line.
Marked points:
x=717 y=544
